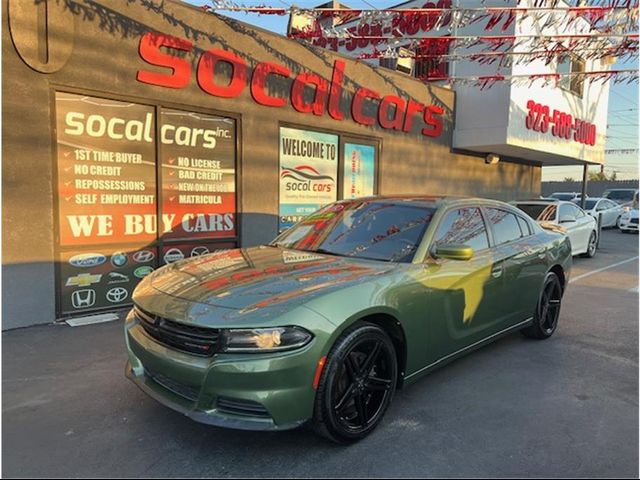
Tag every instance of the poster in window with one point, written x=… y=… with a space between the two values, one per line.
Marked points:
x=308 y=173
x=106 y=171
x=198 y=155
x=359 y=170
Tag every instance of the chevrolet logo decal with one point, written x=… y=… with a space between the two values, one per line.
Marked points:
x=83 y=280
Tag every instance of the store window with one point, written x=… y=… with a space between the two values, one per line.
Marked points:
x=358 y=169
x=568 y=67
x=129 y=202
x=318 y=168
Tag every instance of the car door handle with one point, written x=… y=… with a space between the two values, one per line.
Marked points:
x=496 y=271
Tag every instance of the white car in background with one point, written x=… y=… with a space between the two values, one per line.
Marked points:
x=629 y=220
x=566 y=196
x=611 y=212
x=582 y=229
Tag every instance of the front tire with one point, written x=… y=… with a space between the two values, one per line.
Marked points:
x=592 y=247
x=357 y=384
x=545 y=320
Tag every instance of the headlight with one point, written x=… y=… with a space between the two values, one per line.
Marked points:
x=258 y=340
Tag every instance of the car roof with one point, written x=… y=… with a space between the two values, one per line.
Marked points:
x=433 y=201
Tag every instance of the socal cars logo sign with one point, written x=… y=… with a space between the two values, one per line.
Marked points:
x=393 y=112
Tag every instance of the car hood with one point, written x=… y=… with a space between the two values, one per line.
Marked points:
x=262 y=277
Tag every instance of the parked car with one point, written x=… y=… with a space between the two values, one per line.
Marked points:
x=358 y=299
x=610 y=210
x=629 y=220
x=566 y=196
x=621 y=195
x=567 y=217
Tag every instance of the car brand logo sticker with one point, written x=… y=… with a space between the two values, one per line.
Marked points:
x=83 y=280
x=173 y=255
x=117 y=294
x=83 y=298
x=119 y=259
x=143 y=256
x=115 y=277
x=142 y=272
x=197 y=251
x=86 y=260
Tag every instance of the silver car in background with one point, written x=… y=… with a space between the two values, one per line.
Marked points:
x=582 y=229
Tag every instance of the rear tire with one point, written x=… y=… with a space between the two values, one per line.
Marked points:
x=545 y=319
x=592 y=246
x=357 y=384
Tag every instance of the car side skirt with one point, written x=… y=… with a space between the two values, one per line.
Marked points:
x=409 y=379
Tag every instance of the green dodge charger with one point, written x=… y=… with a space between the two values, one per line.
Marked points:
x=357 y=300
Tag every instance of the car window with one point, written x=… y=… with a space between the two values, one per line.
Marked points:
x=566 y=210
x=463 y=226
x=619 y=194
x=524 y=226
x=602 y=205
x=589 y=204
x=376 y=230
x=538 y=211
x=577 y=212
x=505 y=225
x=611 y=204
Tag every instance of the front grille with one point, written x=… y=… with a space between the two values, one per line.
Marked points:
x=634 y=220
x=247 y=408
x=190 y=393
x=179 y=336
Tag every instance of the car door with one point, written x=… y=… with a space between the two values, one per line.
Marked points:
x=463 y=296
x=583 y=227
x=567 y=220
x=522 y=266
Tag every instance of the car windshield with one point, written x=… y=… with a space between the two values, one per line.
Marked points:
x=539 y=211
x=375 y=230
x=589 y=204
x=624 y=195
x=563 y=196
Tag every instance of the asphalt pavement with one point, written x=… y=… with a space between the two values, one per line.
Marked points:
x=566 y=407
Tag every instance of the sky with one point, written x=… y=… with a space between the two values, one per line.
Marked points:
x=623 y=118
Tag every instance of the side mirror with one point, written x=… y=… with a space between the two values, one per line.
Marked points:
x=454 y=252
x=567 y=219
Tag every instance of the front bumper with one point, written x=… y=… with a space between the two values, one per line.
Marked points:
x=279 y=385
x=627 y=225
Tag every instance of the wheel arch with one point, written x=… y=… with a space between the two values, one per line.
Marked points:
x=392 y=327
x=559 y=271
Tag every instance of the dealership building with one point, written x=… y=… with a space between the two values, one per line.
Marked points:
x=139 y=133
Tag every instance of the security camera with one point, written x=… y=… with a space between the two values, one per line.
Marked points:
x=492 y=159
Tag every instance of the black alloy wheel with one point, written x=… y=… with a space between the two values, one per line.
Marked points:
x=592 y=247
x=547 y=312
x=357 y=384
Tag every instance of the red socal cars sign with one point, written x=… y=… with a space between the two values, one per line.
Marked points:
x=393 y=112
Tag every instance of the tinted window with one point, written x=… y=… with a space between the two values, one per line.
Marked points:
x=375 y=230
x=505 y=225
x=537 y=211
x=463 y=226
x=590 y=204
x=619 y=194
x=524 y=226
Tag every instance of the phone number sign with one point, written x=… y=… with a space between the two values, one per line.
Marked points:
x=540 y=118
